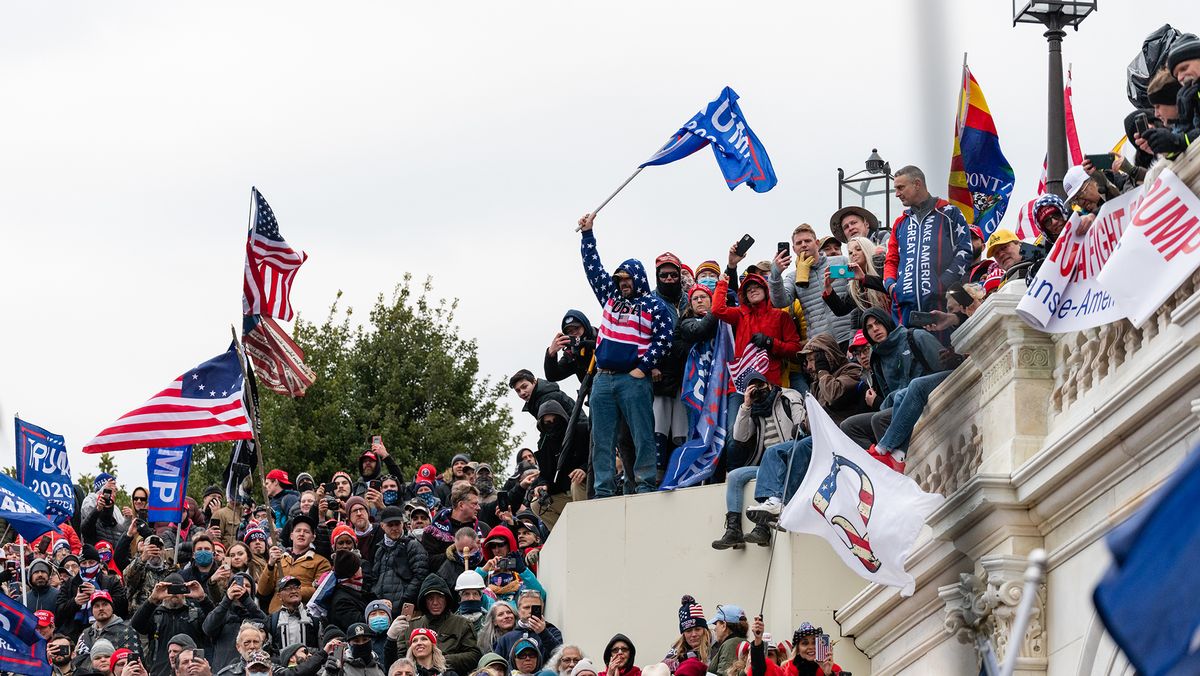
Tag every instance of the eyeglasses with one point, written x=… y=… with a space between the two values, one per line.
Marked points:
x=571 y=660
x=139 y=498
x=620 y=650
x=668 y=275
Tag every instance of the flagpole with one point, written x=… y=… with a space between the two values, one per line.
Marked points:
x=262 y=467
x=1033 y=579
x=963 y=85
x=614 y=193
x=24 y=584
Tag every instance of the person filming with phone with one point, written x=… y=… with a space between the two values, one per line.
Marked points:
x=806 y=283
x=100 y=518
x=176 y=606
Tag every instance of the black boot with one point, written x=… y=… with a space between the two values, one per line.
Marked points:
x=761 y=535
x=733 y=533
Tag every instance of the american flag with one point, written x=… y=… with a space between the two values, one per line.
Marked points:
x=271 y=264
x=278 y=362
x=204 y=404
x=754 y=360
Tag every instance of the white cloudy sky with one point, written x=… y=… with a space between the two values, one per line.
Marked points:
x=458 y=140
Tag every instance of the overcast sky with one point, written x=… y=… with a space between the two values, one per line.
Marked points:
x=457 y=140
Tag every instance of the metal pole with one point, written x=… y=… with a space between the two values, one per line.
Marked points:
x=1033 y=580
x=24 y=584
x=1056 y=121
x=614 y=193
x=249 y=398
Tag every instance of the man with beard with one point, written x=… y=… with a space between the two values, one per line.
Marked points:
x=146 y=571
x=164 y=615
x=59 y=652
x=41 y=595
x=74 y=597
x=300 y=562
x=105 y=626
x=222 y=624
x=398 y=564
x=552 y=489
x=485 y=482
x=369 y=469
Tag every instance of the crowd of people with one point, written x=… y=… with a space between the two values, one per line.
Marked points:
x=378 y=574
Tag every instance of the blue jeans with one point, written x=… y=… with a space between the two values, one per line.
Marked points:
x=632 y=398
x=735 y=486
x=774 y=479
x=908 y=404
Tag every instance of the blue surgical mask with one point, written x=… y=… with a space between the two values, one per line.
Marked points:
x=203 y=557
x=391 y=497
x=708 y=283
x=378 y=624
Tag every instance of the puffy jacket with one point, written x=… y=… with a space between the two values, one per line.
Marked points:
x=894 y=363
x=102 y=525
x=398 y=570
x=787 y=413
x=836 y=389
x=748 y=320
x=926 y=257
x=159 y=623
x=222 y=625
x=634 y=332
x=818 y=316
x=64 y=614
x=456 y=638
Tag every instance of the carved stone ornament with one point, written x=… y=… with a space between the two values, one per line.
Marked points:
x=983 y=607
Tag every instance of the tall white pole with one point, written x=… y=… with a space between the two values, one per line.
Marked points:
x=1033 y=579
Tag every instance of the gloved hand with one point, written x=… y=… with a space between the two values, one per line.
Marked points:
x=804 y=264
x=1163 y=141
x=399 y=628
x=518 y=562
x=762 y=341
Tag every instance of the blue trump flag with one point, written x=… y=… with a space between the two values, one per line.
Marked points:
x=18 y=620
x=42 y=465
x=1143 y=598
x=740 y=155
x=24 y=510
x=167 y=469
x=706 y=372
x=20 y=657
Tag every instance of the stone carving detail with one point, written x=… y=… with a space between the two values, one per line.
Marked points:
x=949 y=469
x=996 y=374
x=981 y=609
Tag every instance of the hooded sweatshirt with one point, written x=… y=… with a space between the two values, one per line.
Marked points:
x=747 y=320
x=836 y=386
x=550 y=447
x=634 y=332
x=629 y=669
x=456 y=638
x=570 y=363
x=893 y=361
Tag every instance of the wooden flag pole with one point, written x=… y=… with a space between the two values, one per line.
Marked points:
x=614 y=193
x=250 y=408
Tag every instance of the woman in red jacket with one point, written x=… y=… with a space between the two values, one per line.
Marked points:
x=756 y=323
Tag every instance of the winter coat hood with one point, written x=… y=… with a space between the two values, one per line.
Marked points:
x=826 y=344
x=435 y=584
x=578 y=316
x=523 y=643
x=634 y=268
x=881 y=316
x=754 y=278
x=623 y=639
x=504 y=532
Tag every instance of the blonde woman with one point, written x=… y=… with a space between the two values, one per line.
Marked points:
x=865 y=290
x=694 y=637
x=425 y=654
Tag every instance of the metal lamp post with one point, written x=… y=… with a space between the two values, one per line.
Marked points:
x=861 y=184
x=1055 y=15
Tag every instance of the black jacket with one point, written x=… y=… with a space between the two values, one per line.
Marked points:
x=158 y=624
x=397 y=571
x=222 y=625
x=544 y=391
x=550 y=447
x=572 y=362
x=64 y=613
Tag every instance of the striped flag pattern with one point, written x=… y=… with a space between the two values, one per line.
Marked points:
x=1073 y=148
x=204 y=404
x=278 y=362
x=271 y=265
x=753 y=360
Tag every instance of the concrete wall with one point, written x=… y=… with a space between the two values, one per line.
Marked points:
x=621 y=565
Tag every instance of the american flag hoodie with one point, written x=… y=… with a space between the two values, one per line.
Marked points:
x=634 y=332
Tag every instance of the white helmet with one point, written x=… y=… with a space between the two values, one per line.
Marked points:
x=469 y=579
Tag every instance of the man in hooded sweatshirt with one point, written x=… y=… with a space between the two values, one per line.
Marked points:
x=620 y=657
x=571 y=349
x=635 y=333
x=456 y=638
x=552 y=488
x=40 y=595
x=899 y=355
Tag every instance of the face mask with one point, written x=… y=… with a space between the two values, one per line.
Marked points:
x=484 y=484
x=360 y=651
x=429 y=499
x=391 y=497
x=417 y=532
x=468 y=607
x=203 y=558
x=89 y=572
x=708 y=283
x=378 y=624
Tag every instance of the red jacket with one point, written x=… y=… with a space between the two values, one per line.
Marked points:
x=792 y=671
x=762 y=318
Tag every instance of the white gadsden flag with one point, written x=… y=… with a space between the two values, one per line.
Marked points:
x=870 y=514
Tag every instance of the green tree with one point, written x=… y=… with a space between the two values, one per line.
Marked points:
x=107 y=464
x=406 y=375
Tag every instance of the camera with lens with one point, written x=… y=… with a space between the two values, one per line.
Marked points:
x=578 y=345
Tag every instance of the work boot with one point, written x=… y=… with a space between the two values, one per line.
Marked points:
x=761 y=535
x=733 y=533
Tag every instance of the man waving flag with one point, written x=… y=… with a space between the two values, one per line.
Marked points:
x=870 y=514
x=204 y=404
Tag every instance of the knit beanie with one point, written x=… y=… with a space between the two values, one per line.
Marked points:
x=422 y=631
x=1184 y=50
x=102 y=647
x=710 y=266
x=699 y=288
x=340 y=530
x=354 y=501
x=691 y=614
x=585 y=666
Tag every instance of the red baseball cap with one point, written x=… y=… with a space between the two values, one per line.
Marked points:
x=100 y=594
x=667 y=258
x=427 y=472
x=860 y=340
x=45 y=618
x=280 y=476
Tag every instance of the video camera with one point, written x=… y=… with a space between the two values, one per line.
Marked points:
x=578 y=345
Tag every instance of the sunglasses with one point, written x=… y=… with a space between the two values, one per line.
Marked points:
x=139 y=498
x=620 y=650
x=668 y=275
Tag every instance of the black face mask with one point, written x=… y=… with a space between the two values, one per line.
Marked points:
x=672 y=290
x=360 y=651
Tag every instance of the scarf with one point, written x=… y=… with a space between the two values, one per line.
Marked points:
x=764 y=407
x=285 y=624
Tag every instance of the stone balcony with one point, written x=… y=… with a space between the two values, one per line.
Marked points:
x=1037 y=440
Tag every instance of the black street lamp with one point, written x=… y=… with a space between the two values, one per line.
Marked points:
x=860 y=185
x=1055 y=15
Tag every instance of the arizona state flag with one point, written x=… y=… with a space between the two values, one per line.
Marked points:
x=981 y=179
